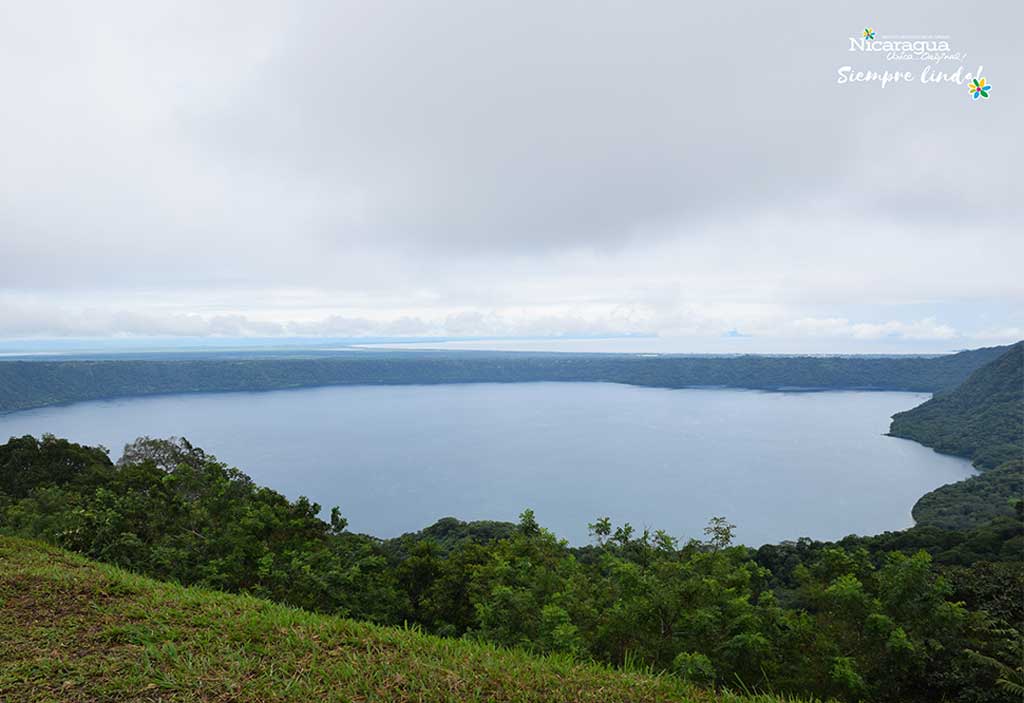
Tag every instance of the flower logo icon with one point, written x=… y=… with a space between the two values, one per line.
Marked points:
x=979 y=89
x=869 y=33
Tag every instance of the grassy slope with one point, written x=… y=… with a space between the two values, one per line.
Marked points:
x=76 y=630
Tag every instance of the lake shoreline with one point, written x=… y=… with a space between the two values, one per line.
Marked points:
x=624 y=441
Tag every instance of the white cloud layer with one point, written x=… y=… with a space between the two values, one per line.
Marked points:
x=462 y=169
x=926 y=329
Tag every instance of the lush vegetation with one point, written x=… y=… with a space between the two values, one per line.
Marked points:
x=78 y=631
x=884 y=621
x=975 y=501
x=982 y=419
x=29 y=384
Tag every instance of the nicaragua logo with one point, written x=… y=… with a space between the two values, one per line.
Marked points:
x=925 y=59
x=866 y=42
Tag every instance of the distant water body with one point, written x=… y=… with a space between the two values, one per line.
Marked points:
x=396 y=458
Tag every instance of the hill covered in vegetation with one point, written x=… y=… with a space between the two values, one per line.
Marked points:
x=869 y=620
x=76 y=630
x=974 y=501
x=31 y=384
x=981 y=419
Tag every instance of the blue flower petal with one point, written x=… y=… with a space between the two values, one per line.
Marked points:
x=976 y=94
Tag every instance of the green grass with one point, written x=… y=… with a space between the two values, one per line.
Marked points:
x=76 y=630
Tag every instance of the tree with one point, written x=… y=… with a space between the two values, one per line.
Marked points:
x=528 y=523
x=719 y=533
x=338 y=523
x=600 y=529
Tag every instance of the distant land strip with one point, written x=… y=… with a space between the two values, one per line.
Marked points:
x=33 y=384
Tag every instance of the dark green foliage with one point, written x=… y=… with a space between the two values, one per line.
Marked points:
x=169 y=510
x=975 y=501
x=27 y=464
x=982 y=419
x=868 y=618
x=30 y=384
x=995 y=587
x=448 y=533
x=999 y=540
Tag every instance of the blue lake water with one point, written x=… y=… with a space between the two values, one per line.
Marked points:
x=396 y=458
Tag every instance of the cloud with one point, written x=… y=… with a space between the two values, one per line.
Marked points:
x=357 y=169
x=926 y=329
x=37 y=318
x=1002 y=335
x=40 y=319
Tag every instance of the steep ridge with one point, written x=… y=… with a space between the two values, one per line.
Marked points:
x=982 y=419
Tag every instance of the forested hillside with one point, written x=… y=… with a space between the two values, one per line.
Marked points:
x=30 y=384
x=872 y=620
x=974 y=501
x=982 y=419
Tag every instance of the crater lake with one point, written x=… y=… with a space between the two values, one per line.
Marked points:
x=397 y=458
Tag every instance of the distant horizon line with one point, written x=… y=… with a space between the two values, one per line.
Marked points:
x=725 y=345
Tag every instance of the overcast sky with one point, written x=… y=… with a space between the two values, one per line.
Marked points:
x=509 y=169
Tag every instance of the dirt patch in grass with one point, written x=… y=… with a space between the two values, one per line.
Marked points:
x=53 y=615
x=30 y=600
